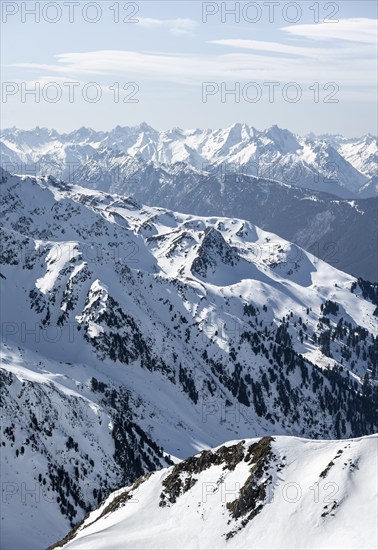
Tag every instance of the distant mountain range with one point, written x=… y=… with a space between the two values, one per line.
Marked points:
x=297 y=192
x=332 y=164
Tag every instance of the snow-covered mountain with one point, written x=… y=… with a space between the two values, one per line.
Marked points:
x=134 y=336
x=342 y=232
x=272 y=493
x=360 y=152
x=338 y=167
x=209 y=173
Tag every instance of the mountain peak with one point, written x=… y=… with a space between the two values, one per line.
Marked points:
x=144 y=127
x=284 y=140
x=213 y=250
x=238 y=128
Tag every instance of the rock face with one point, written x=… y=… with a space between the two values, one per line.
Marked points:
x=269 y=493
x=132 y=334
x=213 y=251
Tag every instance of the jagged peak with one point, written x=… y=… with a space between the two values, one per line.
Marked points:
x=213 y=250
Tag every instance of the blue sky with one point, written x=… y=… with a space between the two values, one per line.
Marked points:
x=286 y=65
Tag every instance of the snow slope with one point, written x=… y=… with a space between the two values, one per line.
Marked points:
x=273 y=493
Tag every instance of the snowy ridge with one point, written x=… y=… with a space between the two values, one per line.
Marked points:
x=321 y=494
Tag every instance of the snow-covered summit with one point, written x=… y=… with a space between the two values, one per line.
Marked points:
x=273 y=493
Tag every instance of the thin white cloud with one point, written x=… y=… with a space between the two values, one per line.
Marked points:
x=177 y=27
x=347 y=37
x=270 y=47
x=180 y=32
x=346 y=60
x=192 y=69
x=361 y=29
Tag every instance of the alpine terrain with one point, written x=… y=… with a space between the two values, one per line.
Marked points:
x=134 y=337
x=318 y=192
